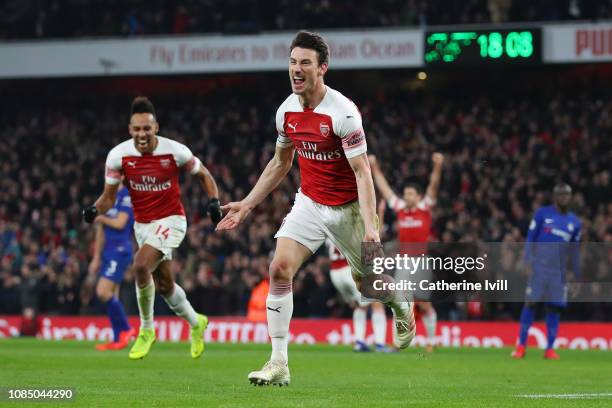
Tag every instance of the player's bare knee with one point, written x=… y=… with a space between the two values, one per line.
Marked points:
x=281 y=270
x=103 y=293
x=378 y=307
x=141 y=271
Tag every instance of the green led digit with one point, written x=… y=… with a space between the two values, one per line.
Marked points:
x=525 y=49
x=437 y=37
x=495 y=45
x=465 y=37
x=483 y=42
x=513 y=44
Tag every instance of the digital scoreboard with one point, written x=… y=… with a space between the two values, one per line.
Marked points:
x=478 y=47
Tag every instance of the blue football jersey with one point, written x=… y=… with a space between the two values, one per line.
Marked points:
x=119 y=240
x=552 y=238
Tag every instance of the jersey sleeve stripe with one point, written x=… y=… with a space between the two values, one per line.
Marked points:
x=112 y=176
x=356 y=151
x=193 y=165
x=283 y=142
x=354 y=144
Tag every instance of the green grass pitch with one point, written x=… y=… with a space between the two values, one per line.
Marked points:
x=322 y=376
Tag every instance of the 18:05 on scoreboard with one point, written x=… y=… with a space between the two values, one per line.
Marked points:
x=483 y=47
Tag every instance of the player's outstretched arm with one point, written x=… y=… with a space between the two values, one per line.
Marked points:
x=367 y=197
x=103 y=203
x=273 y=174
x=208 y=182
x=210 y=186
x=436 y=175
x=380 y=180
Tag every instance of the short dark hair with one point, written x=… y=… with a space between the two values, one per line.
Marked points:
x=417 y=187
x=312 y=41
x=142 y=104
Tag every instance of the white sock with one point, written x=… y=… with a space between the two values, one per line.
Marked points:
x=146 y=298
x=359 y=323
x=400 y=309
x=379 y=326
x=279 y=309
x=429 y=321
x=179 y=304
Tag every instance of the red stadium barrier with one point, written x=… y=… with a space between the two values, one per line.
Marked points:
x=331 y=331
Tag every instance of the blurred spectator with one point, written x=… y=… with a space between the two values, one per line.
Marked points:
x=181 y=21
x=498 y=9
x=257 y=302
x=30 y=324
x=74 y=18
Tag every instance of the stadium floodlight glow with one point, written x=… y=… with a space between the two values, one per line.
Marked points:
x=483 y=47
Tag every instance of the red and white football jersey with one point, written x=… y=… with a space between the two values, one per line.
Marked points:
x=413 y=225
x=324 y=138
x=338 y=260
x=152 y=179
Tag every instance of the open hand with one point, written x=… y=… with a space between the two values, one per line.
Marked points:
x=236 y=212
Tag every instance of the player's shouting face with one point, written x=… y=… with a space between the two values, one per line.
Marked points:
x=143 y=128
x=411 y=196
x=305 y=72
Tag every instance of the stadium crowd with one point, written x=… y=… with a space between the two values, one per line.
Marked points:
x=26 y=19
x=503 y=156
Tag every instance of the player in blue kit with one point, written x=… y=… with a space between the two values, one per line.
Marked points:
x=553 y=239
x=112 y=257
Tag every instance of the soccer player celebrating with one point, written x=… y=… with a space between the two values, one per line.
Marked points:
x=554 y=234
x=336 y=199
x=342 y=279
x=113 y=251
x=413 y=226
x=151 y=165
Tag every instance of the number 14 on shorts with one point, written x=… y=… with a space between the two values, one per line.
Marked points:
x=162 y=231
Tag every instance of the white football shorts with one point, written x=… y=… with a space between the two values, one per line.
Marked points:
x=164 y=235
x=309 y=223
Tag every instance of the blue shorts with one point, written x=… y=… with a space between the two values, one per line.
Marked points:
x=115 y=265
x=547 y=285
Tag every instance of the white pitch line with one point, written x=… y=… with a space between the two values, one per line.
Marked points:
x=567 y=396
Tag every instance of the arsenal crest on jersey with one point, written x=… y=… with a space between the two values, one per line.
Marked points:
x=165 y=163
x=324 y=128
